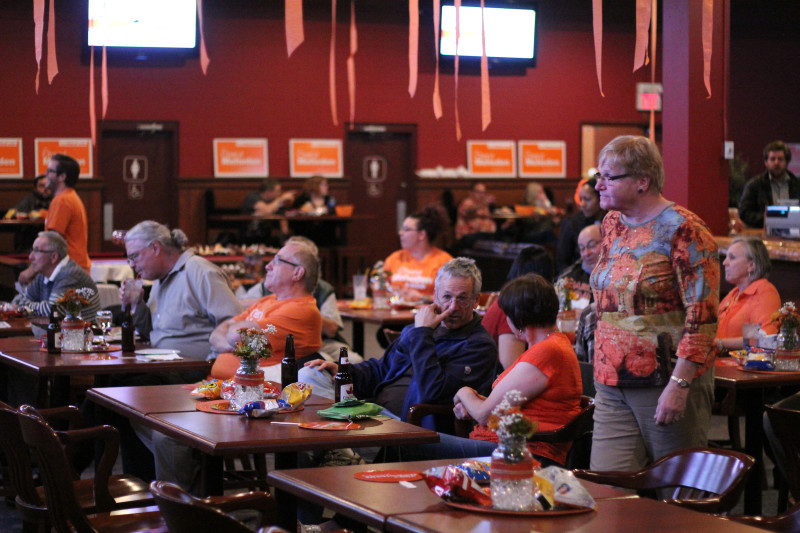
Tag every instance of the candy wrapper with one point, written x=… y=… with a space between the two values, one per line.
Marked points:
x=264 y=408
x=477 y=470
x=227 y=392
x=453 y=484
x=561 y=487
x=295 y=394
x=209 y=390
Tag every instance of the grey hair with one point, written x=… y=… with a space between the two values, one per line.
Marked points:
x=758 y=254
x=309 y=262
x=637 y=156
x=460 y=267
x=304 y=241
x=151 y=231
x=55 y=240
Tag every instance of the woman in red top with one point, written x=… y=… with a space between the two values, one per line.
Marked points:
x=753 y=298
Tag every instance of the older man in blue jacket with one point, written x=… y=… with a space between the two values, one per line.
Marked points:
x=445 y=349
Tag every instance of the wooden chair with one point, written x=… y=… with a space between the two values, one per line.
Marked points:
x=578 y=431
x=125 y=491
x=63 y=506
x=183 y=512
x=786 y=427
x=387 y=336
x=788 y=522
x=704 y=479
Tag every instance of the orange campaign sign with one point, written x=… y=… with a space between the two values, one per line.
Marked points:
x=79 y=149
x=11 y=158
x=241 y=158
x=492 y=159
x=315 y=157
x=542 y=159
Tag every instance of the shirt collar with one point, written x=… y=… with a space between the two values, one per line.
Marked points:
x=61 y=264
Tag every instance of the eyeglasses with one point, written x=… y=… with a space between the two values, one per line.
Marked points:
x=405 y=229
x=41 y=251
x=282 y=260
x=461 y=301
x=600 y=177
x=135 y=255
x=53 y=170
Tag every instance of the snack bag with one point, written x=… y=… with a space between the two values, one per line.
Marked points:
x=227 y=392
x=477 y=470
x=272 y=389
x=261 y=409
x=295 y=394
x=453 y=484
x=563 y=487
x=209 y=390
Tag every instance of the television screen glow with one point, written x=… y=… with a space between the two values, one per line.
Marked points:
x=510 y=32
x=142 y=23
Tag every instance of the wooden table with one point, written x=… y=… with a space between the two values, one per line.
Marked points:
x=749 y=388
x=380 y=317
x=633 y=515
x=220 y=435
x=53 y=371
x=373 y=504
x=19 y=327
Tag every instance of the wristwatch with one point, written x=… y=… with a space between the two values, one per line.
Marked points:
x=682 y=383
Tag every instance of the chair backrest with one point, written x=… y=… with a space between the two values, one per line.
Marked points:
x=62 y=504
x=18 y=459
x=387 y=336
x=184 y=513
x=788 y=522
x=786 y=426
x=580 y=424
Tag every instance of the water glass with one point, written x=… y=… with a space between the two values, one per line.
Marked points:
x=103 y=320
x=359 y=286
x=750 y=336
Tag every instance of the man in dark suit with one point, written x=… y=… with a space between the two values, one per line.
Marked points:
x=777 y=183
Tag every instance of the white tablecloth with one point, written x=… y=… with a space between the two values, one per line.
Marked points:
x=109 y=295
x=110 y=270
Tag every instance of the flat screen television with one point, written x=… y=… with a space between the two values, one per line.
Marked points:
x=143 y=29
x=510 y=29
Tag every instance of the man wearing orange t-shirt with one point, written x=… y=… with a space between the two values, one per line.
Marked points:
x=291 y=276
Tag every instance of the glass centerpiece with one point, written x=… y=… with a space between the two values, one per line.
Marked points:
x=567 y=321
x=72 y=326
x=512 y=464
x=379 y=283
x=248 y=382
x=787 y=344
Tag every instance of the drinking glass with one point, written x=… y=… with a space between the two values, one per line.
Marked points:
x=103 y=320
x=750 y=336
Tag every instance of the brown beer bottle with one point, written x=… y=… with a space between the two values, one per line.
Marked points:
x=128 y=344
x=343 y=381
x=289 y=363
x=54 y=333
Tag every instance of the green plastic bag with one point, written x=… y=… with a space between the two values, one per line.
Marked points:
x=351 y=410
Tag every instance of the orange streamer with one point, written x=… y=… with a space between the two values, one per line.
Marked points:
x=708 y=34
x=457 y=4
x=351 y=63
x=204 y=60
x=38 y=29
x=437 y=99
x=52 y=62
x=413 y=46
x=642 y=25
x=597 y=25
x=486 y=104
x=295 y=35
x=653 y=24
x=92 y=113
x=104 y=83
x=332 y=67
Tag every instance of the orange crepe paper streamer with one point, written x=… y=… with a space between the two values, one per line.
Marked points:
x=351 y=63
x=38 y=29
x=52 y=62
x=437 y=99
x=413 y=46
x=642 y=25
x=457 y=5
x=104 y=83
x=597 y=25
x=204 y=60
x=332 y=66
x=708 y=34
x=486 y=104
x=293 y=13
x=92 y=113
x=654 y=25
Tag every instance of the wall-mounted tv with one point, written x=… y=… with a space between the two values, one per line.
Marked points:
x=143 y=29
x=510 y=29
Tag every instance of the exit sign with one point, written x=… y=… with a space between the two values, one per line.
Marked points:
x=648 y=96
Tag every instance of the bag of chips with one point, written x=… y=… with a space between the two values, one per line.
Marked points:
x=208 y=390
x=452 y=483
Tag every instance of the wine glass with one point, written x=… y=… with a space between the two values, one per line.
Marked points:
x=103 y=320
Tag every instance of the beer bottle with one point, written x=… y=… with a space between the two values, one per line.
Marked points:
x=128 y=344
x=54 y=333
x=343 y=381
x=289 y=363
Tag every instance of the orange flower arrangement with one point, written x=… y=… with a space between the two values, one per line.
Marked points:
x=788 y=319
x=73 y=300
x=254 y=343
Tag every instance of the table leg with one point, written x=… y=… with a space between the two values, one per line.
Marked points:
x=753 y=401
x=358 y=337
x=287 y=503
x=59 y=391
x=211 y=475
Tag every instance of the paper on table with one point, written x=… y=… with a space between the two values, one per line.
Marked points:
x=160 y=357
x=4 y=324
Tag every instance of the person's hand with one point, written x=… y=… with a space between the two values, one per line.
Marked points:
x=430 y=316
x=460 y=412
x=321 y=364
x=233 y=337
x=671 y=404
x=26 y=276
x=131 y=292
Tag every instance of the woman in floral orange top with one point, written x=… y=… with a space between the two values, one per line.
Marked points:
x=658 y=273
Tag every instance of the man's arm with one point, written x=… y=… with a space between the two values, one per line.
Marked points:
x=225 y=336
x=751 y=208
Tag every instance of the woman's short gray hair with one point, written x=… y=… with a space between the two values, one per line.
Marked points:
x=758 y=254
x=637 y=156
x=460 y=267
x=151 y=231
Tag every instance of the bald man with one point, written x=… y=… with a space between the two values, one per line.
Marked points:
x=589 y=246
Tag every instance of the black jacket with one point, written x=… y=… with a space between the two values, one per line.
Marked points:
x=757 y=195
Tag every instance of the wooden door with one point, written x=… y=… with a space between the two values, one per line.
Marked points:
x=139 y=163
x=380 y=159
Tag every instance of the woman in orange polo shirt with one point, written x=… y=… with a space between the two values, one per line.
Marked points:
x=753 y=298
